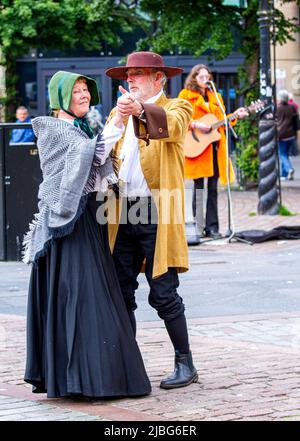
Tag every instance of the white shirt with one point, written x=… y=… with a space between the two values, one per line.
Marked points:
x=133 y=181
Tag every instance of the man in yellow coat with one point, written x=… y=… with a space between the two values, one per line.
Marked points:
x=151 y=230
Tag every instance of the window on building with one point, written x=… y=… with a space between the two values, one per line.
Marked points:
x=27 y=87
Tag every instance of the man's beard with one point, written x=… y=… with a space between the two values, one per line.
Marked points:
x=137 y=94
x=144 y=94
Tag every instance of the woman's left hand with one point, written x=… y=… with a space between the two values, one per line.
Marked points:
x=241 y=113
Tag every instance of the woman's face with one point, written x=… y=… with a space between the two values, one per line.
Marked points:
x=81 y=98
x=202 y=76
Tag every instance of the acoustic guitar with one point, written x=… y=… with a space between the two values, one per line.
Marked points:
x=196 y=141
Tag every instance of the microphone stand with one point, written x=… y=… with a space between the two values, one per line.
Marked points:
x=231 y=230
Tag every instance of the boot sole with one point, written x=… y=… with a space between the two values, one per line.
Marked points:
x=175 y=386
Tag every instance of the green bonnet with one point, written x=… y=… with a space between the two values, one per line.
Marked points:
x=61 y=86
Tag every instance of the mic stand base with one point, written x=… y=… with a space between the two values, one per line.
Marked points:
x=192 y=236
x=237 y=238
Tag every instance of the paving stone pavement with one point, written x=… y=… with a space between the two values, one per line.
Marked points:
x=249 y=369
x=16 y=409
x=249 y=365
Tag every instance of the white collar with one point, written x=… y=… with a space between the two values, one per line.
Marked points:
x=154 y=98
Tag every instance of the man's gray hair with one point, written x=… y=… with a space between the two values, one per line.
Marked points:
x=283 y=96
x=163 y=78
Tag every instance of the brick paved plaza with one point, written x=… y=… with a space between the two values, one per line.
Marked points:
x=249 y=364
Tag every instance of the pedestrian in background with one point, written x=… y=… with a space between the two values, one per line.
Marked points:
x=94 y=117
x=286 y=117
x=22 y=135
x=295 y=149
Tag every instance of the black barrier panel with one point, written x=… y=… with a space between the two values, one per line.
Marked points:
x=2 y=196
x=20 y=178
x=23 y=176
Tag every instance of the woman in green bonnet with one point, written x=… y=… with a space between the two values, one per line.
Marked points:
x=79 y=338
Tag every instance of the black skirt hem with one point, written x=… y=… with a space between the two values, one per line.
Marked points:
x=38 y=388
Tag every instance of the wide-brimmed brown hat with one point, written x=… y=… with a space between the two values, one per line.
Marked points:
x=143 y=59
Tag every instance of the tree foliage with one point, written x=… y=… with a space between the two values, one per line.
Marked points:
x=212 y=28
x=196 y=26
x=202 y=26
x=61 y=23
x=58 y=24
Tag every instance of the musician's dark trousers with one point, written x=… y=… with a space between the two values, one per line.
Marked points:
x=211 y=219
x=133 y=244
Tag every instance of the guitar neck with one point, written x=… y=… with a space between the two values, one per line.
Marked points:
x=254 y=107
x=222 y=122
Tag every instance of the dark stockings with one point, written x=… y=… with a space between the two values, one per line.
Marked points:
x=177 y=330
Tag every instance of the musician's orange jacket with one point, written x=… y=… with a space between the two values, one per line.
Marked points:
x=202 y=165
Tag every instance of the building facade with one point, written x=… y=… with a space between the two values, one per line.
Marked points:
x=34 y=76
x=287 y=56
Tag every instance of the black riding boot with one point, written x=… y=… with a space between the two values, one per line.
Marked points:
x=184 y=373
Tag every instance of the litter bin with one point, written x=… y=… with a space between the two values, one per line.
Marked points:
x=20 y=179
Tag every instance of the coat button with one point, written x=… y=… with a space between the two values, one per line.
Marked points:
x=160 y=130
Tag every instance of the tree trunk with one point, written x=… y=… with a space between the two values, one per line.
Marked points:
x=251 y=67
x=11 y=88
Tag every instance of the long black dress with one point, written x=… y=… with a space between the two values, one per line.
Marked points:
x=79 y=337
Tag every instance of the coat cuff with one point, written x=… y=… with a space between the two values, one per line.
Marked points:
x=154 y=126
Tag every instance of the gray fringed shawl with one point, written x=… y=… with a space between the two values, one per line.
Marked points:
x=70 y=170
